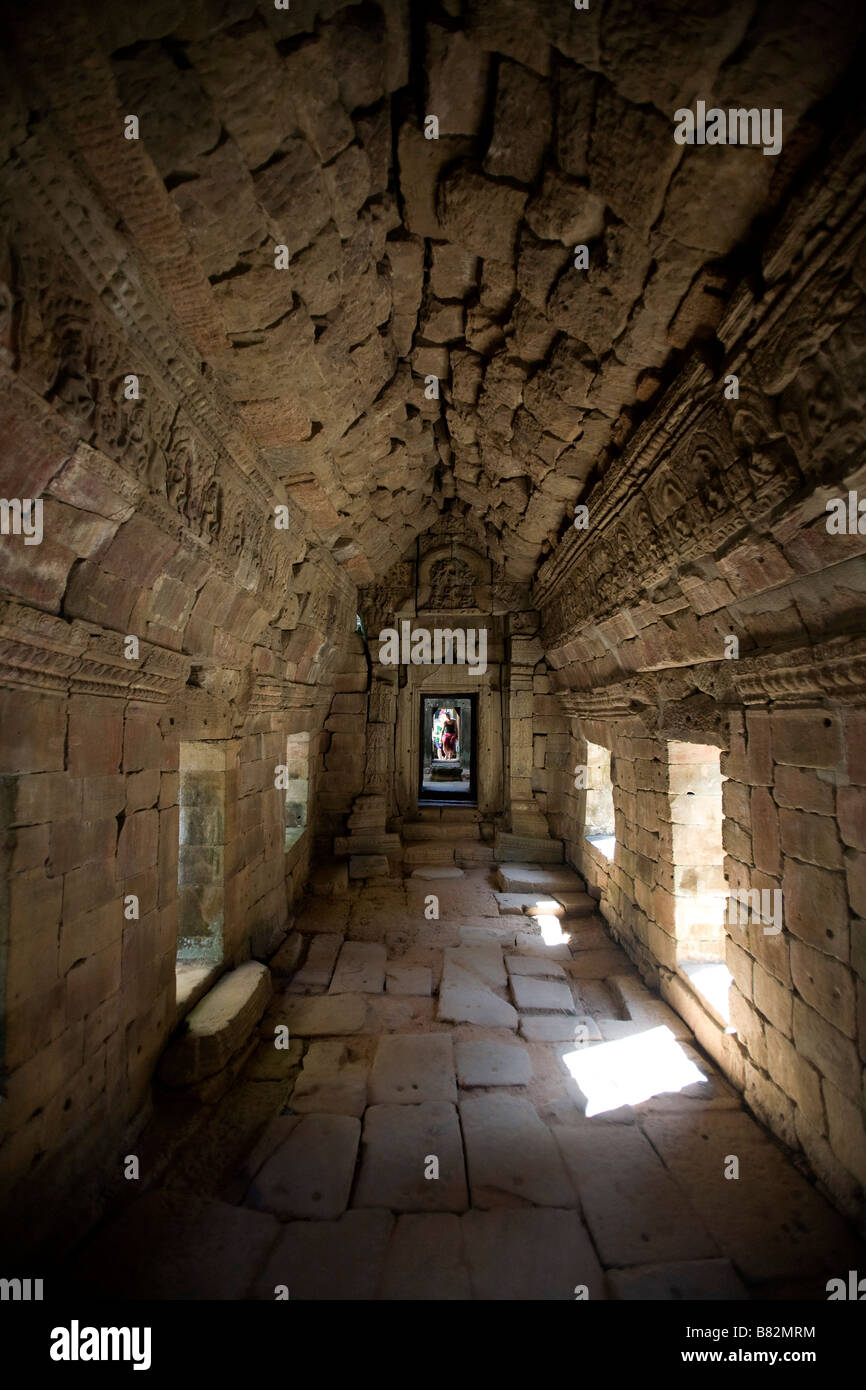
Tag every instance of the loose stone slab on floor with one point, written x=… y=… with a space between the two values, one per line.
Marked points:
x=492 y=1064
x=483 y=959
x=218 y=1027
x=318 y=968
x=463 y=998
x=553 y=1028
x=413 y=1067
x=552 y=995
x=425 y=1259
x=644 y=1007
x=325 y=1015
x=539 y=966
x=176 y=1245
x=408 y=979
x=475 y=1004
x=511 y=1155
x=576 y=904
x=635 y=1211
x=310 y=1175
x=517 y=904
x=681 y=1280
x=397 y=1144
x=360 y=969
x=329 y=1259
x=475 y=936
x=532 y=944
x=534 y=878
x=332 y=1082
x=530 y=1254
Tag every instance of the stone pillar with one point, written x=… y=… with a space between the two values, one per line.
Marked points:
x=525 y=819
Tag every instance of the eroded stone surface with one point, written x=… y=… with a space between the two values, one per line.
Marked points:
x=492 y=1064
x=310 y=1174
x=412 y=1068
x=398 y=1144
x=511 y=1156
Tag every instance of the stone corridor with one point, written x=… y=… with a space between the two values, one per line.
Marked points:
x=461 y=1039
x=433 y=649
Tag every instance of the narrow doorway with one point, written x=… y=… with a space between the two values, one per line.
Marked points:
x=447 y=763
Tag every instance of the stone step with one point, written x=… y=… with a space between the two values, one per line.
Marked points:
x=520 y=848
x=377 y=842
x=414 y=831
x=428 y=853
x=369 y=866
x=218 y=1026
x=535 y=878
x=473 y=852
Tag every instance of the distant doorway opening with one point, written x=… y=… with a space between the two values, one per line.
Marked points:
x=447 y=768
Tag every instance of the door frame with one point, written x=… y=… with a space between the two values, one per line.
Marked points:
x=443 y=698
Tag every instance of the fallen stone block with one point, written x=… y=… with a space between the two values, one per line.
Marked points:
x=552 y=995
x=218 y=1026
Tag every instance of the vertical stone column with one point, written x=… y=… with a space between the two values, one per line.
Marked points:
x=204 y=797
x=524 y=814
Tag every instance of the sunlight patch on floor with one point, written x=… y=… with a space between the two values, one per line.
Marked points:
x=631 y=1070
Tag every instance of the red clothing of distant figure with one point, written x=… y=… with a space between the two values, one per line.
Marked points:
x=449 y=740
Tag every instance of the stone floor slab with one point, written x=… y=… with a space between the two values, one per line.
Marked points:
x=680 y=1280
x=492 y=1064
x=532 y=944
x=176 y=1245
x=332 y=1081
x=539 y=966
x=553 y=995
x=410 y=1068
x=408 y=979
x=326 y=1015
x=770 y=1221
x=360 y=969
x=483 y=960
x=511 y=1156
x=327 y=1260
x=309 y=1177
x=554 y=1028
x=425 y=1260
x=470 y=1002
x=576 y=905
x=475 y=936
x=517 y=904
x=318 y=968
x=530 y=1255
x=635 y=1211
x=398 y=1144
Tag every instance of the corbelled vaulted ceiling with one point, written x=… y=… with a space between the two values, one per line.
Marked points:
x=452 y=257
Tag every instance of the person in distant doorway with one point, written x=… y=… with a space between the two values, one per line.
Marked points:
x=449 y=738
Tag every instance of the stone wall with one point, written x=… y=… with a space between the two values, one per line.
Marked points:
x=710 y=602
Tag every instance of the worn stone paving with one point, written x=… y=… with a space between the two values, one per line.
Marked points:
x=439 y=1146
